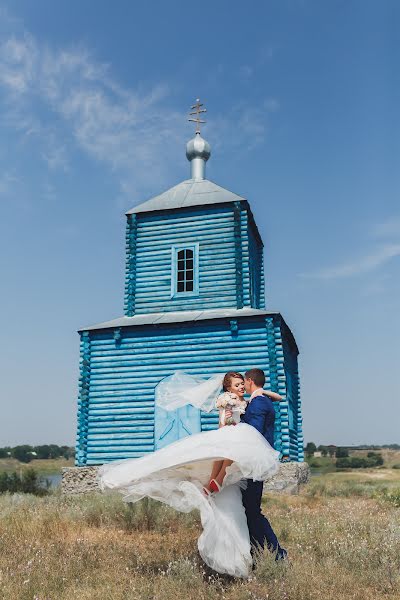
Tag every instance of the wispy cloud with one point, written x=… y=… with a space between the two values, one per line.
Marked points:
x=389 y=228
x=111 y=123
x=363 y=264
x=388 y=249
x=18 y=64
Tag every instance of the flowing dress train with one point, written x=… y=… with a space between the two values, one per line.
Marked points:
x=176 y=474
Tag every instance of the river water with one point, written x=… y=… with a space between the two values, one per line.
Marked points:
x=54 y=480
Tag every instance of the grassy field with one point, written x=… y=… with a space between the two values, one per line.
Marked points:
x=50 y=466
x=342 y=534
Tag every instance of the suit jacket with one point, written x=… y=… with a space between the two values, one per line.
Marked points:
x=260 y=413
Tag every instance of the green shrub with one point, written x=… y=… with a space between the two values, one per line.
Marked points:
x=375 y=459
x=342 y=453
x=344 y=463
x=28 y=483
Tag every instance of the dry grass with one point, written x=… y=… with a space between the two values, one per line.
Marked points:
x=95 y=547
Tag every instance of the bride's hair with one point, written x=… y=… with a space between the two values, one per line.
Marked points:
x=226 y=384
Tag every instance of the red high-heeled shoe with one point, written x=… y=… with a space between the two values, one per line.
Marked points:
x=214 y=486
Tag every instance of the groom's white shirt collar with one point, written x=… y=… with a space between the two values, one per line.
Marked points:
x=257 y=392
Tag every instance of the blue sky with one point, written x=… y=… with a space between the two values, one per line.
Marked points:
x=303 y=120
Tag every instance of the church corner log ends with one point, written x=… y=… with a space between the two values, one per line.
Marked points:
x=194 y=301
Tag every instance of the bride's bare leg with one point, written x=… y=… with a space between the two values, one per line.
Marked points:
x=219 y=477
x=217 y=466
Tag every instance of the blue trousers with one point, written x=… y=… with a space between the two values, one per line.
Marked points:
x=261 y=532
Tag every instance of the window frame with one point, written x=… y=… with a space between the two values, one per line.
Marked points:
x=176 y=248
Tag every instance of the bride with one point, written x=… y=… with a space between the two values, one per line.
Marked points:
x=179 y=474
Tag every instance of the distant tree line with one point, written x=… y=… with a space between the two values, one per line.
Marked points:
x=375 y=447
x=331 y=451
x=26 y=453
x=325 y=450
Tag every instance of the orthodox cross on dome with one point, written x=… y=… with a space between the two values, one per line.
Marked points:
x=198 y=111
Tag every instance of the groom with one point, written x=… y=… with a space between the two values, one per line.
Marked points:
x=260 y=414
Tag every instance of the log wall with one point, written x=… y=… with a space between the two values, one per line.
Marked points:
x=120 y=369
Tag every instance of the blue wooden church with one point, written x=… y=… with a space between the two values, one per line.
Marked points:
x=194 y=301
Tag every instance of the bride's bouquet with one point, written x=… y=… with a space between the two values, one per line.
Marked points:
x=230 y=401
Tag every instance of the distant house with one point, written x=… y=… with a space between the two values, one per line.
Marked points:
x=317 y=454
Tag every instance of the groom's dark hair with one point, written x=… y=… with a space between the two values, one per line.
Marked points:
x=256 y=375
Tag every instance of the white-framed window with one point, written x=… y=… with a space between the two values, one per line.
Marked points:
x=185 y=270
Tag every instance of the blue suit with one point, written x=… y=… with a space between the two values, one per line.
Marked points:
x=260 y=413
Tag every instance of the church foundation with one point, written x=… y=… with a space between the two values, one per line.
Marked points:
x=290 y=479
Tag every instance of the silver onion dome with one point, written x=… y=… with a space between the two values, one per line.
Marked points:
x=198 y=147
x=198 y=152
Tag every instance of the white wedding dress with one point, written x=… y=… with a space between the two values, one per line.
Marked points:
x=176 y=474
